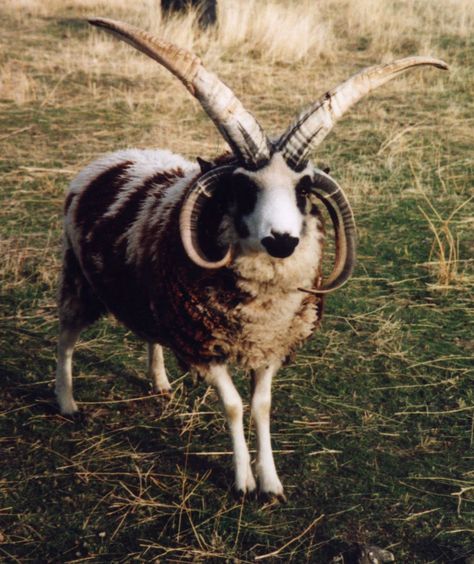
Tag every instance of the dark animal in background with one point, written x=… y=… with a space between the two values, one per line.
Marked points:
x=219 y=261
x=206 y=9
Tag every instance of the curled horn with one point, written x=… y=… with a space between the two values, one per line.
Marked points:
x=199 y=193
x=314 y=123
x=339 y=209
x=238 y=126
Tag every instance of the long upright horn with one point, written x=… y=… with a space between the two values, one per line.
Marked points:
x=238 y=126
x=313 y=124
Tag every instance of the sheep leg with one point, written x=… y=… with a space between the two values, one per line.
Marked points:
x=268 y=480
x=156 y=368
x=67 y=339
x=78 y=308
x=218 y=376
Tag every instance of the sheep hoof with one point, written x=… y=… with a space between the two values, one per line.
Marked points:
x=163 y=391
x=240 y=494
x=79 y=417
x=65 y=401
x=271 y=497
x=269 y=484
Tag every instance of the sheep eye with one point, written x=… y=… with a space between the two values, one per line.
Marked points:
x=303 y=190
x=304 y=186
x=245 y=193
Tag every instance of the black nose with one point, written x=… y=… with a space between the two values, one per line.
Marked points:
x=280 y=245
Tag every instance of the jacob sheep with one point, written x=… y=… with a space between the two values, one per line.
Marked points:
x=219 y=261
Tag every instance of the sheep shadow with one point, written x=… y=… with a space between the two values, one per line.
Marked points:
x=25 y=394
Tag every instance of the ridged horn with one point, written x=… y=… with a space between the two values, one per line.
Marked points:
x=238 y=126
x=201 y=191
x=313 y=124
x=339 y=209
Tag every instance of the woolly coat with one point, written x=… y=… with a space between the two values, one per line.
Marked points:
x=123 y=254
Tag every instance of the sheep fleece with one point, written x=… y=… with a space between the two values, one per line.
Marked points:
x=123 y=253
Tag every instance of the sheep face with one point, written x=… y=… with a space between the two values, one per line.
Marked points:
x=269 y=206
x=270 y=218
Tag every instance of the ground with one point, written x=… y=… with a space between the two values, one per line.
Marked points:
x=373 y=424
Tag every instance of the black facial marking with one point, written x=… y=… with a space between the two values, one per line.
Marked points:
x=245 y=193
x=210 y=219
x=303 y=190
x=241 y=227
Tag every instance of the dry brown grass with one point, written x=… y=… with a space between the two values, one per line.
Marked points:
x=282 y=30
x=444 y=259
x=270 y=30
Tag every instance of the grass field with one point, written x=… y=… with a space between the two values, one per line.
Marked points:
x=373 y=425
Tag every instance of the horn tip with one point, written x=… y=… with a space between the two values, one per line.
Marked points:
x=417 y=60
x=94 y=21
x=101 y=22
x=438 y=63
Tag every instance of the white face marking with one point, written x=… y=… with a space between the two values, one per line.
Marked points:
x=276 y=209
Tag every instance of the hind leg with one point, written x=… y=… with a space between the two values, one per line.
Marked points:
x=67 y=339
x=156 y=368
x=78 y=308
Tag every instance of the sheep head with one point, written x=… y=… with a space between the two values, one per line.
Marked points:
x=271 y=182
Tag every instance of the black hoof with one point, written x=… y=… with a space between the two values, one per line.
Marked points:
x=79 y=418
x=270 y=497
x=240 y=495
x=162 y=395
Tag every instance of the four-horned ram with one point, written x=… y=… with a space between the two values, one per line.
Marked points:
x=212 y=260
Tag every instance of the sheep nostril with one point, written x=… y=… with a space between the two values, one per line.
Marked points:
x=280 y=245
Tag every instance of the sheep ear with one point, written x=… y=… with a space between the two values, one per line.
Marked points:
x=205 y=166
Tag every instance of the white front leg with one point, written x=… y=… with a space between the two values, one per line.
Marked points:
x=268 y=480
x=218 y=376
